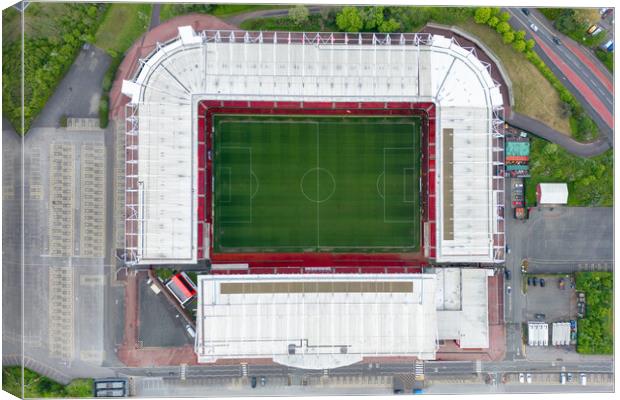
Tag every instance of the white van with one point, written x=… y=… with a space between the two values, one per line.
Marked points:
x=190 y=331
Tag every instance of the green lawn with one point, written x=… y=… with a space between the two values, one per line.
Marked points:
x=316 y=184
x=122 y=25
x=315 y=23
x=590 y=180
x=37 y=386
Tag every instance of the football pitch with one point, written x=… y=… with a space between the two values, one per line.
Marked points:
x=316 y=184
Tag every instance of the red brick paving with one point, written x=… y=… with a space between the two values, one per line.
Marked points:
x=146 y=44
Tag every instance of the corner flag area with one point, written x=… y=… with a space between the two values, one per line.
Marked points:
x=294 y=183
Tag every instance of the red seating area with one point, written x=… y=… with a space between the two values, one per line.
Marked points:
x=317 y=262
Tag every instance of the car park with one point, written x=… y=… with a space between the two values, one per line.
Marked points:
x=528 y=378
x=521 y=377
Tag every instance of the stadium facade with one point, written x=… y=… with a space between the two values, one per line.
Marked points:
x=185 y=81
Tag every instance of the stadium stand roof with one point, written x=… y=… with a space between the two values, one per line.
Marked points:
x=161 y=180
x=315 y=321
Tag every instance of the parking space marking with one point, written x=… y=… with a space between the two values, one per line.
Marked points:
x=92 y=200
x=62 y=199
x=60 y=313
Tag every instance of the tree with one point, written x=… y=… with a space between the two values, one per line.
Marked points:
x=519 y=45
x=493 y=21
x=502 y=27
x=482 y=15
x=299 y=14
x=530 y=44
x=504 y=17
x=373 y=17
x=349 y=19
x=508 y=37
x=520 y=35
x=390 y=25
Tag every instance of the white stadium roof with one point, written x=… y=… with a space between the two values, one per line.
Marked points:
x=326 y=321
x=161 y=120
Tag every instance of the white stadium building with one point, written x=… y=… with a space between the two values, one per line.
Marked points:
x=162 y=188
x=321 y=321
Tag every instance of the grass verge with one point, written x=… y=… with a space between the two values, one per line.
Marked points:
x=37 y=386
x=534 y=96
x=121 y=26
x=590 y=180
x=228 y=10
x=314 y=23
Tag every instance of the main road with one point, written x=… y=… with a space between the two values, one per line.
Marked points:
x=586 y=78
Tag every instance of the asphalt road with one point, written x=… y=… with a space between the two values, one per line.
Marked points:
x=581 y=79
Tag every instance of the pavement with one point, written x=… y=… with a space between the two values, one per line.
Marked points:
x=553 y=240
x=587 y=80
x=78 y=94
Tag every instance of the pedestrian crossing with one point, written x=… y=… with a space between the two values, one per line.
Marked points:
x=419 y=370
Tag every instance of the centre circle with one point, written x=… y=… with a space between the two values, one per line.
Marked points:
x=318 y=185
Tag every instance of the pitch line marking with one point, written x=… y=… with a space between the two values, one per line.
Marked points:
x=382 y=195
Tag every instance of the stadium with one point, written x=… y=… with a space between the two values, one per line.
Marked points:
x=278 y=152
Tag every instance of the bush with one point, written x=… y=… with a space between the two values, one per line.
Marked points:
x=607 y=58
x=63 y=121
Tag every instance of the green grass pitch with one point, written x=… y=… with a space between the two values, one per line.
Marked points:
x=314 y=183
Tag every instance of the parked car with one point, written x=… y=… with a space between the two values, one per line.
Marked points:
x=562 y=283
x=563 y=378
x=583 y=379
x=542 y=282
x=534 y=27
x=581 y=309
x=557 y=40
x=507 y=274
x=263 y=381
x=573 y=325
x=534 y=281
x=253 y=382
x=528 y=378
x=529 y=281
x=540 y=316
x=569 y=377
x=525 y=11
x=521 y=377
x=508 y=289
